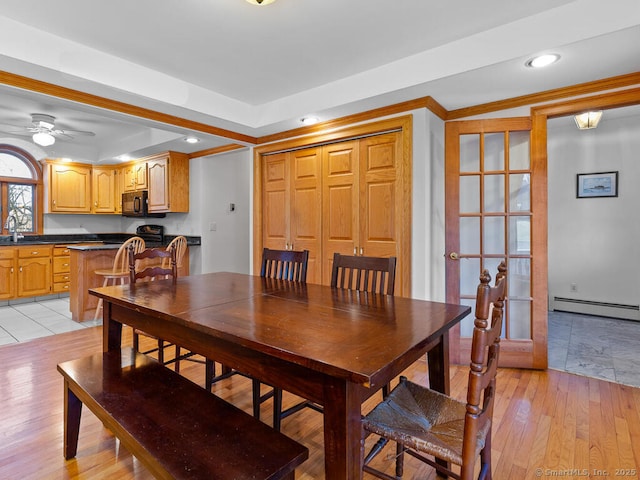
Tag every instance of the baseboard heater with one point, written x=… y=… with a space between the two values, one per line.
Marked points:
x=591 y=307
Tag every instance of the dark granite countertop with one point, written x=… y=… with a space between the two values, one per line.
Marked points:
x=103 y=240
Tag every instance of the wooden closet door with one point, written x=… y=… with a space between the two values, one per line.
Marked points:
x=275 y=201
x=306 y=208
x=340 y=202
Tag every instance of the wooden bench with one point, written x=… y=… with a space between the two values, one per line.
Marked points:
x=174 y=427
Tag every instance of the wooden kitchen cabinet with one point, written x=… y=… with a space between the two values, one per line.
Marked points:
x=61 y=262
x=8 y=273
x=135 y=176
x=69 y=188
x=34 y=270
x=103 y=190
x=168 y=182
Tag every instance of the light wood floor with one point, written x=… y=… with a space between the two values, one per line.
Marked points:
x=547 y=424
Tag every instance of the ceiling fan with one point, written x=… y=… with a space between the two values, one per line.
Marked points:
x=43 y=131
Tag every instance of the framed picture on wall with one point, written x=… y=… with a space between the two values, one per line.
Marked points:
x=602 y=184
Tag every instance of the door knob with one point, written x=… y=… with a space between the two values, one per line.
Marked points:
x=454 y=256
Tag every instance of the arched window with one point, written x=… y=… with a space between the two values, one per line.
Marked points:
x=21 y=192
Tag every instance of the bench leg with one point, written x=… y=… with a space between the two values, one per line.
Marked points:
x=72 y=411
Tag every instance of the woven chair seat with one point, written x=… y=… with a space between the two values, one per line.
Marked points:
x=424 y=420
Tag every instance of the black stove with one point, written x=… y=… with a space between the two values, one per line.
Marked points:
x=153 y=234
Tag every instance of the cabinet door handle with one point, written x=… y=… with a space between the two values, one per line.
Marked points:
x=11 y=269
x=361 y=251
x=20 y=270
x=35 y=253
x=355 y=250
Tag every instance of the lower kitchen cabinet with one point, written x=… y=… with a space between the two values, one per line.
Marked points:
x=34 y=271
x=8 y=273
x=61 y=280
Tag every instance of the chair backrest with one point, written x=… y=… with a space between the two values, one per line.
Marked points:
x=121 y=261
x=180 y=244
x=485 y=350
x=150 y=269
x=366 y=274
x=285 y=264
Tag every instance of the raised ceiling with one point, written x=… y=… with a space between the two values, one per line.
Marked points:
x=258 y=70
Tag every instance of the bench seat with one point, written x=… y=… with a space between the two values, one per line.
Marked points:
x=174 y=427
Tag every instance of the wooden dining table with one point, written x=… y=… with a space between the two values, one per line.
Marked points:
x=334 y=347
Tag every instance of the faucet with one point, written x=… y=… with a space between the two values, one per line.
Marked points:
x=15 y=233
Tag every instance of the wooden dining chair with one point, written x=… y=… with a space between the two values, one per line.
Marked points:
x=424 y=422
x=120 y=269
x=180 y=245
x=147 y=265
x=281 y=265
x=366 y=274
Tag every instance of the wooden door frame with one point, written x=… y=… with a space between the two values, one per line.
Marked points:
x=403 y=124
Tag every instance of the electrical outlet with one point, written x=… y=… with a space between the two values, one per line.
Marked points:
x=213 y=226
x=574 y=287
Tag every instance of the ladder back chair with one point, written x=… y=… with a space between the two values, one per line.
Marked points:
x=281 y=265
x=366 y=274
x=424 y=422
x=147 y=265
x=120 y=269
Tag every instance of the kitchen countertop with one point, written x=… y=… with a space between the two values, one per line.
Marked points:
x=101 y=241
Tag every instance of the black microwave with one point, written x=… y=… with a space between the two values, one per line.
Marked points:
x=136 y=204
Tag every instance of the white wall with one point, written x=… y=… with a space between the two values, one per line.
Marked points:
x=594 y=242
x=215 y=183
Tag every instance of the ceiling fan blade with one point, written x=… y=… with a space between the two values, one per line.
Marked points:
x=13 y=129
x=71 y=133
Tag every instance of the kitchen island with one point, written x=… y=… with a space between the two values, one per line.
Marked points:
x=85 y=260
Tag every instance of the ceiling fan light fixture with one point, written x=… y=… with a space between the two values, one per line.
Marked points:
x=43 y=139
x=588 y=120
x=260 y=2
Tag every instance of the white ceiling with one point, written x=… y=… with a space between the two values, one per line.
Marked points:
x=258 y=70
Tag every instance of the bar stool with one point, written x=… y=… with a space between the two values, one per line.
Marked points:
x=120 y=269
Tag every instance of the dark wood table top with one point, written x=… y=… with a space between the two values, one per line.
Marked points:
x=348 y=335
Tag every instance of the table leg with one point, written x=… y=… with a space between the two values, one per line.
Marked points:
x=72 y=411
x=438 y=364
x=342 y=432
x=111 y=330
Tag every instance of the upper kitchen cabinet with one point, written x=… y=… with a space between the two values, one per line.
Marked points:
x=103 y=190
x=69 y=187
x=135 y=176
x=168 y=182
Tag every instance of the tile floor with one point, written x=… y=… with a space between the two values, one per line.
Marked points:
x=586 y=345
x=34 y=319
x=599 y=347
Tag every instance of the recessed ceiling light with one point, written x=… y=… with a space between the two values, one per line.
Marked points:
x=542 y=60
x=191 y=139
x=260 y=2
x=123 y=158
x=309 y=120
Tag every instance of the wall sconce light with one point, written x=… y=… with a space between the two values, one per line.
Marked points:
x=588 y=120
